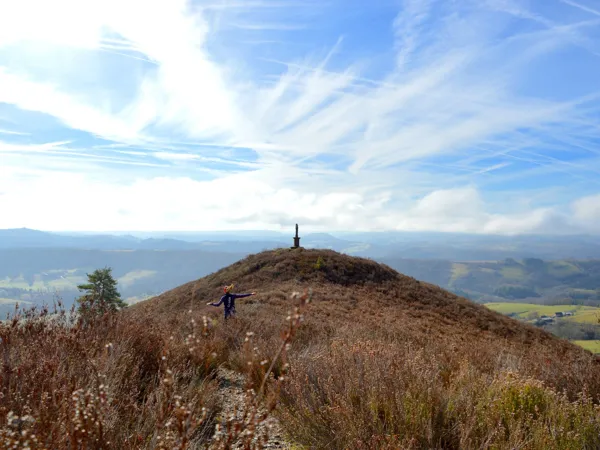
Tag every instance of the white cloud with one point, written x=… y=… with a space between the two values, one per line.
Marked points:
x=52 y=22
x=587 y=210
x=163 y=203
x=450 y=203
x=62 y=200
x=328 y=144
x=585 y=8
x=41 y=97
x=186 y=91
x=464 y=210
x=14 y=133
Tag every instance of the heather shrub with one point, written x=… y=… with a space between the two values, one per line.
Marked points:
x=107 y=383
x=127 y=382
x=355 y=393
x=513 y=410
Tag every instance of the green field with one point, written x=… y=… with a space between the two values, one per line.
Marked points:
x=562 y=269
x=592 y=346
x=585 y=314
x=357 y=248
x=8 y=301
x=458 y=270
x=18 y=283
x=590 y=316
x=67 y=280
x=513 y=273
x=44 y=281
x=133 y=276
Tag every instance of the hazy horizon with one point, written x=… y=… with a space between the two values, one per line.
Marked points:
x=284 y=232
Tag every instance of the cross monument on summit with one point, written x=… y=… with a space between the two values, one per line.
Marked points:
x=296 y=239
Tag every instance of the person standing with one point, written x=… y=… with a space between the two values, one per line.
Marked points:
x=229 y=301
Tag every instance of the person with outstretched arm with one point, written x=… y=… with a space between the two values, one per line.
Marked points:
x=229 y=301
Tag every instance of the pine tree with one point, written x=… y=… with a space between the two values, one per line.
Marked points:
x=101 y=293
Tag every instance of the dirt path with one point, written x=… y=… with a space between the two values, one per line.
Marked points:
x=231 y=393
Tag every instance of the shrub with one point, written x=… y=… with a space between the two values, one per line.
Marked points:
x=320 y=264
x=389 y=394
x=113 y=383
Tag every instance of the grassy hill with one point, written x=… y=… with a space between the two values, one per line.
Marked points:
x=351 y=289
x=407 y=351
x=573 y=281
x=377 y=359
x=537 y=281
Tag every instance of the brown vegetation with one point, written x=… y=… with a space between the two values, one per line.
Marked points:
x=380 y=361
x=119 y=382
x=111 y=383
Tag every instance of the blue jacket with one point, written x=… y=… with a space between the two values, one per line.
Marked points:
x=229 y=301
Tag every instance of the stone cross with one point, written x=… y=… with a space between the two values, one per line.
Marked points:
x=296 y=239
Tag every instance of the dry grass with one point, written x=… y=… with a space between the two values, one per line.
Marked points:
x=388 y=393
x=121 y=382
x=381 y=361
x=112 y=383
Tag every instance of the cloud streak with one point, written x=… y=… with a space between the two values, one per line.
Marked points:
x=585 y=8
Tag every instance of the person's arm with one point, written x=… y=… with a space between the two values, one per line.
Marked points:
x=217 y=304
x=242 y=295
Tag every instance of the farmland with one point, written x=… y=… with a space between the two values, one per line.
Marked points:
x=584 y=314
x=593 y=345
x=584 y=320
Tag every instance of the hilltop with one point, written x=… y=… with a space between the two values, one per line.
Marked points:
x=353 y=290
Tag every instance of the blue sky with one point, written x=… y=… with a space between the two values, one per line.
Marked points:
x=448 y=115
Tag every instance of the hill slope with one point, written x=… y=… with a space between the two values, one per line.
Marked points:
x=384 y=358
x=352 y=289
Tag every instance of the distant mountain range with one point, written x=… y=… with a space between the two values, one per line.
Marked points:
x=447 y=246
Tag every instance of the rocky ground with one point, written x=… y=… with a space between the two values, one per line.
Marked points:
x=231 y=391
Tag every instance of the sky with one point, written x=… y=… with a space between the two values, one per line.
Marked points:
x=476 y=116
